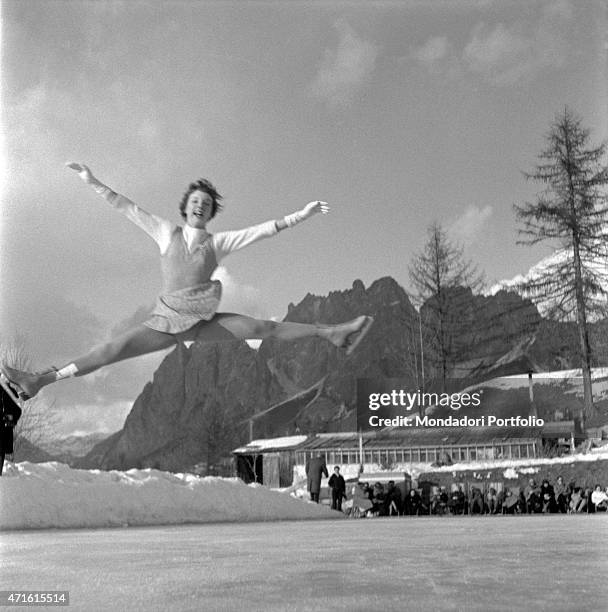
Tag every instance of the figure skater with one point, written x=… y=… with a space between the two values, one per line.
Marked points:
x=187 y=308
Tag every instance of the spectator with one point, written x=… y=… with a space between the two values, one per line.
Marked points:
x=578 y=503
x=413 y=504
x=359 y=503
x=587 y=495
x=510 y=502
x=315 y=469
x=457 y=501
x=378 y=500
x=10 y=415
x=562 y=495
x=513 y=502
x=439 y=502
x=532 y=497
x=492 y=501
x=393 y=499
x=547 y=495
x=338 y=489
x=367 y=491
x=599 y=499
x=476 y=505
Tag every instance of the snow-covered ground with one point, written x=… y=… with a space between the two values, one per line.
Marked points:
x=54 y=495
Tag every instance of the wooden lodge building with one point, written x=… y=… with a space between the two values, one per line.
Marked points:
x=276 y=461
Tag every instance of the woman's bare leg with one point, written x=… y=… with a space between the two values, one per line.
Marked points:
x=140 y=340
x=228 y=326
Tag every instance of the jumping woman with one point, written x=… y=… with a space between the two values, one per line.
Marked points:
x=187 y=308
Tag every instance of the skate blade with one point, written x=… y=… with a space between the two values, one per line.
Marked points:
x=369 y=321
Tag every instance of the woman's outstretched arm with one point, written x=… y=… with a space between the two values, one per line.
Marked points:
x=159 y=229
x=227 y=242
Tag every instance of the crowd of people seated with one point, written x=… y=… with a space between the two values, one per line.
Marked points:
x=380 y=500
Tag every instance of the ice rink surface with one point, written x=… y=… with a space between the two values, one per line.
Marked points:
x=458 y=563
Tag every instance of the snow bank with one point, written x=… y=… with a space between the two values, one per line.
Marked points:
x=42 y=495
x=521 y=465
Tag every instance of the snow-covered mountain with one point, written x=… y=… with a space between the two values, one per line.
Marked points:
x=558 y=260
x=74 y=446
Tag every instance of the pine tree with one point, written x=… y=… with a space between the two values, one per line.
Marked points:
x=439 y=273
x=572 y=214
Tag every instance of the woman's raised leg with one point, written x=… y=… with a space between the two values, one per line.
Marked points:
x=139 y=340
x=228 y=326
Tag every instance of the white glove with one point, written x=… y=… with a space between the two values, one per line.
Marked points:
x=87 y=177
x=312 y=208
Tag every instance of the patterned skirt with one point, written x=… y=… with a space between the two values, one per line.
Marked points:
x=180 y=310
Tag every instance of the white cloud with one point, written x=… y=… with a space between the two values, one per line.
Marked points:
x=508 y=54
x=239 y=298
x=500 y=53
x=505 y=54
x=346 y=68
x=438 y=56
x=469 y=225
x=433 y=51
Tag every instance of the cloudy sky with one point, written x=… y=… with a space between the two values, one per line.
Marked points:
x=397 y=113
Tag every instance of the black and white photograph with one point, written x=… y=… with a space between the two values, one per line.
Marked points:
x=305 y=305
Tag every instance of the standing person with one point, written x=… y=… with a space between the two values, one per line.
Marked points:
x=187 y=308
x=476 y=505
x=338 y=489
x=393 y=499
x=547 y=495
x=315 y=470
x=10 y=415
x=532 y=497
x=492 y=501
x=562 y=495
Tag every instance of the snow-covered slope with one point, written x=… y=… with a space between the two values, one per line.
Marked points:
x=55 y=495
x=77 y=445
x=598 y=267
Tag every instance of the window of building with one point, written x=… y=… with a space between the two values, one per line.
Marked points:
x=515 y=451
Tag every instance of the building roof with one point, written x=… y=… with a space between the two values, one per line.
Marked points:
x=389 y=439
x=270 y=445
x=559 y=429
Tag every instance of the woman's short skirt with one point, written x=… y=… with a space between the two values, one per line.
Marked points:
x=178 y=311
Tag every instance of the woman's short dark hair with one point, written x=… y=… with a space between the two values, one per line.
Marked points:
x=207 y=187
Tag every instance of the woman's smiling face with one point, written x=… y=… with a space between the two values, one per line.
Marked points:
x=199 y=209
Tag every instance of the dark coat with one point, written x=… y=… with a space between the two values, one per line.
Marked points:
x=10 y=415
x=315 y=468
x=413 y=503
x=336 y=483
